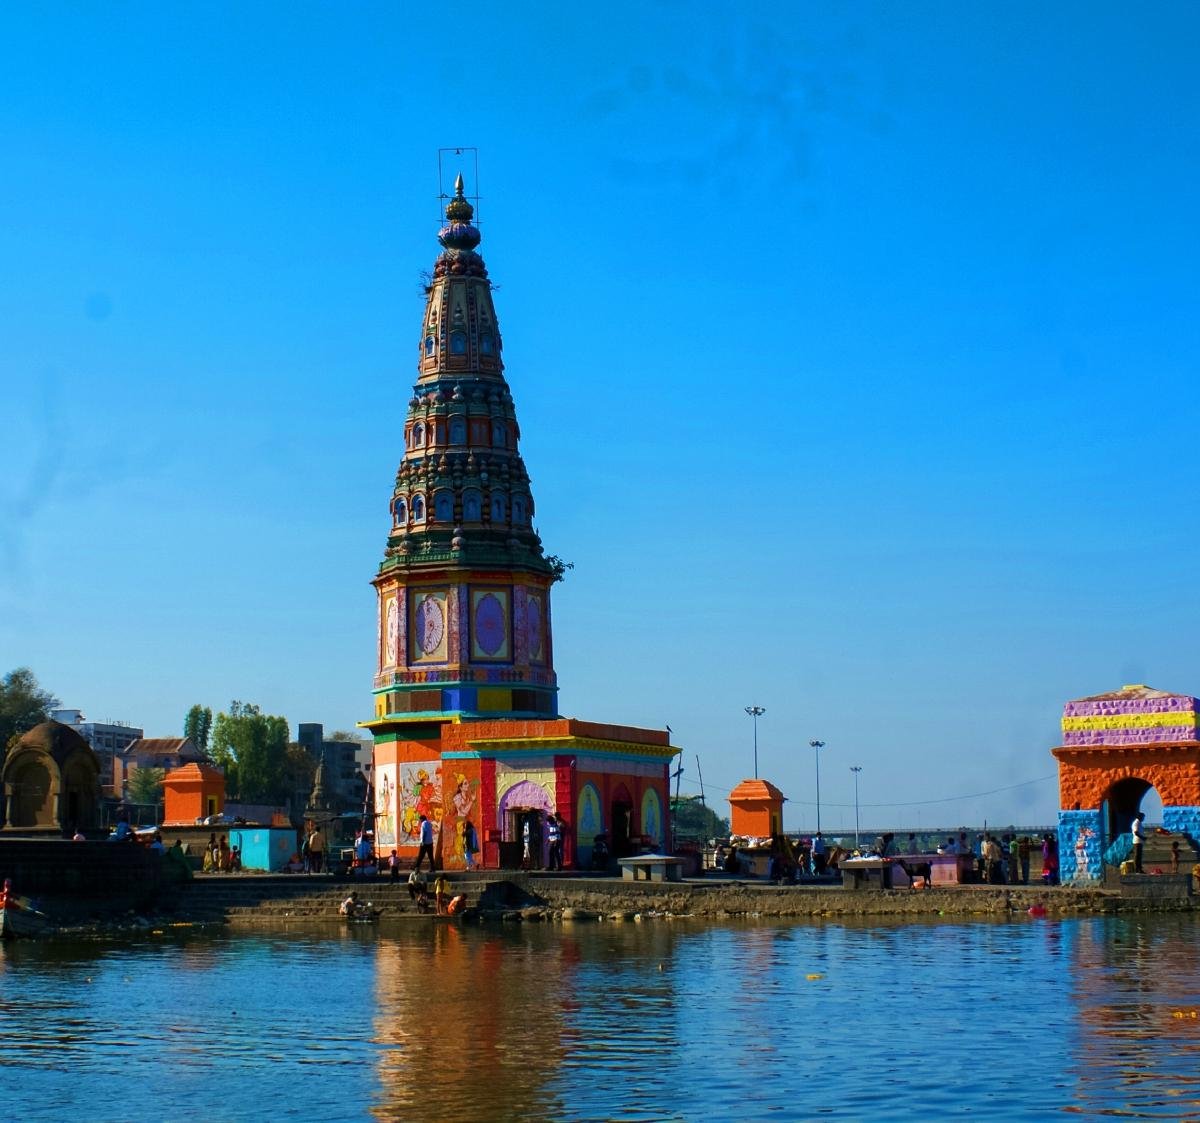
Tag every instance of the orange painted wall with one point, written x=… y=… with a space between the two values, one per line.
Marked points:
x=185 y=798
x=1086 y=777
x=752 y=818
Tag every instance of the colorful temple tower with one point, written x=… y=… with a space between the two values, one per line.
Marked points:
x=466 y=722
x=1116 y=747
x=464 y=588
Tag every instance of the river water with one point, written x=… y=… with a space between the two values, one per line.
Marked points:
x=663 y=1020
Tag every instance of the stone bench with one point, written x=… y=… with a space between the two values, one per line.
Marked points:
x=651 y=867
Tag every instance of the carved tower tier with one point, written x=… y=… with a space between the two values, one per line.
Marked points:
x=464 y=587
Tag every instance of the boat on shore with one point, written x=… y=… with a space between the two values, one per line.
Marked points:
x=21 y=921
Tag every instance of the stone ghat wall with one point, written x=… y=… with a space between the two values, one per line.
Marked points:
x=756 y=900
x=59 y=867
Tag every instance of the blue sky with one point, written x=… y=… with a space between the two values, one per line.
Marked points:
x=854 y=349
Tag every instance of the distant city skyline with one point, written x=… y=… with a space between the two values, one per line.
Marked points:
x=890 y=308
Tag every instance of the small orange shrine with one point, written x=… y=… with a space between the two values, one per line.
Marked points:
x=756 y=809
x=191 y=792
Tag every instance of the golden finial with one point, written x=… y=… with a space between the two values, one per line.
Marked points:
x=459 y=209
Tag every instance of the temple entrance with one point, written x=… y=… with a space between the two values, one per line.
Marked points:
x=81 y=794
x=522 y=817
x=524 y=802
x=621 y=818
x=30 y=800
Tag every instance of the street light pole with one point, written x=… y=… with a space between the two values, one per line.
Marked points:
x=817 y=747
x=856 y=769
x=755 y=712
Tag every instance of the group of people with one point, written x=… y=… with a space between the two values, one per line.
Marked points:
x=219 y=856
x=534 y=832
x=312 y=851
x=442 y=903
x=789 y=861
x=1006 y=860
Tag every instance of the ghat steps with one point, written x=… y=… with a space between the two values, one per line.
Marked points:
x=252 y=898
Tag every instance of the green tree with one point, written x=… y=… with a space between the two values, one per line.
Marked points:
x=252 y=748
x=145 y=785
x=695 y=820
x=23 y=704
x=198 y=725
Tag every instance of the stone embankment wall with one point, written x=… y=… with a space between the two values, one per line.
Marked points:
x=736 y=899
x=94 y=870
x=263 y=899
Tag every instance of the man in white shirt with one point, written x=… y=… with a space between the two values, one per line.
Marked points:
x=426 y=845
x=1139 y=839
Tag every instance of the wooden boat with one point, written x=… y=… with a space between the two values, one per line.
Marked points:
x=21 y=921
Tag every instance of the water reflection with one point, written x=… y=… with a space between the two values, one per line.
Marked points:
x=1135 y=987
x=1013 y=1021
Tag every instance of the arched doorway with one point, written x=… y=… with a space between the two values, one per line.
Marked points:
x=81 y=795
x=621 y=818
x=1123 y=800
x=525 y=802
x=31 y=794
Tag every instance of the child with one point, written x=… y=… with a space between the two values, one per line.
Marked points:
x=440 y=888
x=394 y=865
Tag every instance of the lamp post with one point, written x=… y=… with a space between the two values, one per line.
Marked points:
x=817 y=747
x=755 y=712
x=856 y=769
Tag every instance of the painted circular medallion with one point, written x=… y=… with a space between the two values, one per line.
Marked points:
x=431 y=624
x=490 y=626
x=533 y=627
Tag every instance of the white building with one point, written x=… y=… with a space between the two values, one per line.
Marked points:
x=106 y=738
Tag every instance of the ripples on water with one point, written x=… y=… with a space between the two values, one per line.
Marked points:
x=665 y=1020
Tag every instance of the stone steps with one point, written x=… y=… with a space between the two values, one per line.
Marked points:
x=246 y=898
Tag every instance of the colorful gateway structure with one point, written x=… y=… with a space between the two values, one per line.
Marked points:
x=466 y=723
x=1116 y=747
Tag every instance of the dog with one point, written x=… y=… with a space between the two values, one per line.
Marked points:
x=917 y=869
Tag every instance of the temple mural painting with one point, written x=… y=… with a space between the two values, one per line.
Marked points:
x=385 y=805
x=460 y=809
x=588 y=822
x=652 y=819
x=420 y=794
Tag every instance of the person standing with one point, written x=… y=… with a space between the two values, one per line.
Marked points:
x=1014 y=859
x=316 y=849
x=992 y=857
x=818 y=855
x=470 y=844
x=1139 y=840
x=441 y=894
x=426 y=835
x=394 y=865
x=554 y=838
x=1024 y=847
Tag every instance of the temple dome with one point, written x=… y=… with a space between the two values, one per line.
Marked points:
x=58 y=741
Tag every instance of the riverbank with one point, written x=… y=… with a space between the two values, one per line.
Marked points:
x=508 y=896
